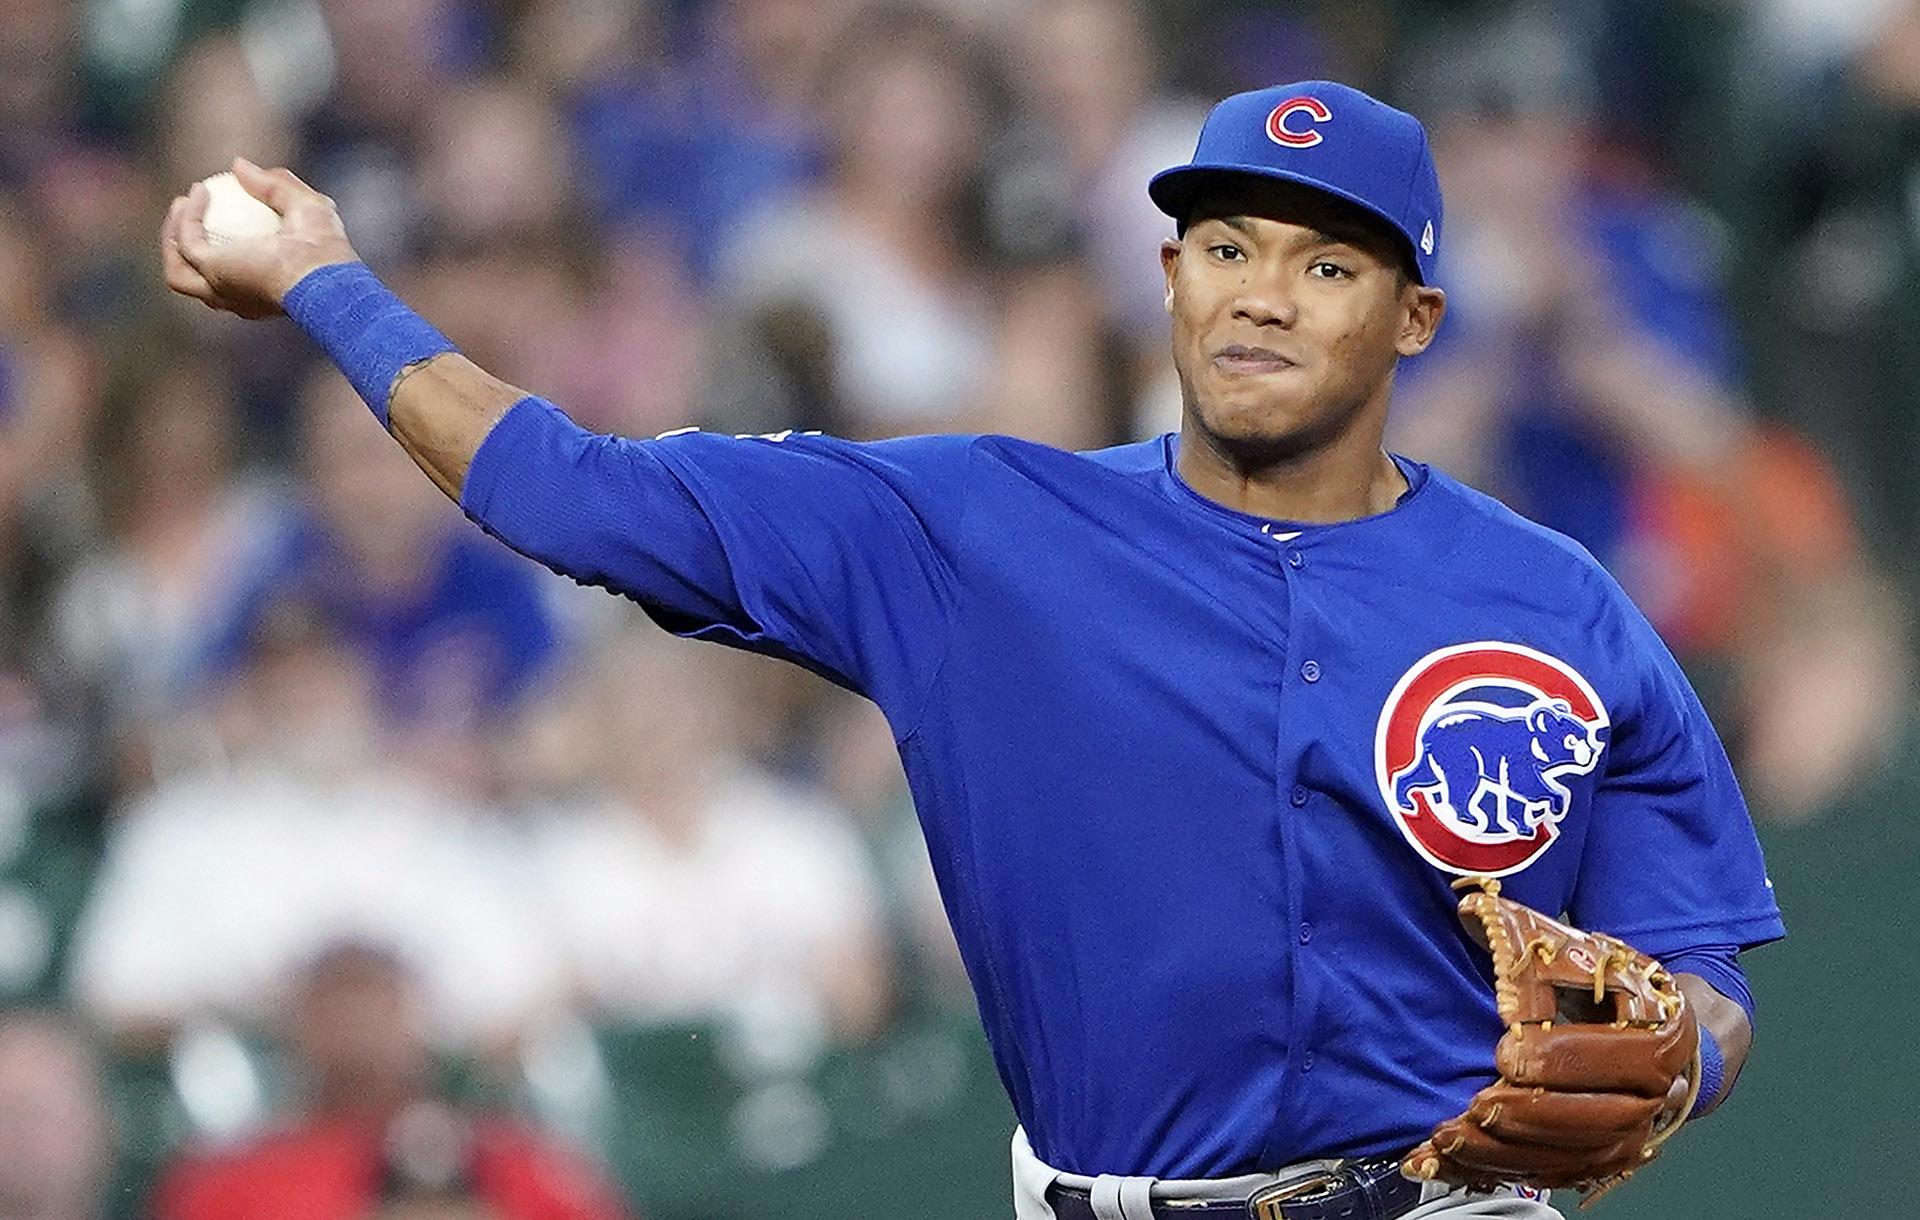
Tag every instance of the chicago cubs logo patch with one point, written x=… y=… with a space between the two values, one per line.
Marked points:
x=1473 y=751
x=1284 y=130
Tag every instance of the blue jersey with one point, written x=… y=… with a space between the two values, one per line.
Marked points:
x=1195 y=784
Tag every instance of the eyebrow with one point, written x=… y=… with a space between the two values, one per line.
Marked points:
x=1322 y=235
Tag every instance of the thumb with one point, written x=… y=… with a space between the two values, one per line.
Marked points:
x=274 y=190
x=193 y=244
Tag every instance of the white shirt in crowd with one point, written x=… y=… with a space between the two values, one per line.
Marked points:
x=748 y=911
x=216 y=889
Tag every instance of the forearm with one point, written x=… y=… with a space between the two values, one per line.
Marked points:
x=438 y=404
x=1727 y=1022
x=441 y=410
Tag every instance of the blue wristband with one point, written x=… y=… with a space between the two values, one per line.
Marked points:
x=364 y=328
x=1713 y=1073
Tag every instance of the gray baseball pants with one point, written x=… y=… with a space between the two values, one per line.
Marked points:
x=1032 y=1177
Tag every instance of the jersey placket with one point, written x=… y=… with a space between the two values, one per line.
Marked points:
x=1300 y=680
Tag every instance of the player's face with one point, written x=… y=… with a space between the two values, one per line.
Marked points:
x=1289 y=314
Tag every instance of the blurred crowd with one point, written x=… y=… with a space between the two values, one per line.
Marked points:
x=313 y=798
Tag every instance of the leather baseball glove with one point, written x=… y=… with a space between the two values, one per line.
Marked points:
x=1598 y=1034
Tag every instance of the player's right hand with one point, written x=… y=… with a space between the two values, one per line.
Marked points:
x=251 y=276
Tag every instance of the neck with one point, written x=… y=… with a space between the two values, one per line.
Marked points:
x=1337 y=482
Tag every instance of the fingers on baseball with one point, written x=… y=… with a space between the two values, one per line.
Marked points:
x=181 y=275
x=193 y=243
x=280 y=189
x=277 y=188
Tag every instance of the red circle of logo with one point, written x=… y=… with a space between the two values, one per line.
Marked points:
x=1280 y=132
x=1473 y=747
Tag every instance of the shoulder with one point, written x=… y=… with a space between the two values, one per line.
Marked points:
x=1489 y=532
x=1050 y=464
x=1139 y=457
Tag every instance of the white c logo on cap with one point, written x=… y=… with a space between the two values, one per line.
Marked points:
x=1277 y=129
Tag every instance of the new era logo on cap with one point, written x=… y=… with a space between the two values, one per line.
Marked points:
x=1281 y=132
x=1325 y=135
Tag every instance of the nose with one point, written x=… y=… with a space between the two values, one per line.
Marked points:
x=1264 y=300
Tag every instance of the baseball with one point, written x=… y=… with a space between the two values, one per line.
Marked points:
x=232 y=214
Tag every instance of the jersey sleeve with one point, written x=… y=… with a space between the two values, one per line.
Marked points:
x=1671 y=861
x=835 y=554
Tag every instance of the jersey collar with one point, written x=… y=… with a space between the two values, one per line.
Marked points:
x=1417 y=475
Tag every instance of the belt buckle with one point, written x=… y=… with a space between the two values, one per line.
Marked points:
x=1267 y=1202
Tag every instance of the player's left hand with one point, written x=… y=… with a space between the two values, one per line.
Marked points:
x=1597 y=1068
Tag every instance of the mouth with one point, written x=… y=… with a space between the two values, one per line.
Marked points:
x=1239 y=360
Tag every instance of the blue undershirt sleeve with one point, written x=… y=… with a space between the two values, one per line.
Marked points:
x=837 y=555
x=1720 y=966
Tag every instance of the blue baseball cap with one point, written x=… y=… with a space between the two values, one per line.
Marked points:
x=1325 y=135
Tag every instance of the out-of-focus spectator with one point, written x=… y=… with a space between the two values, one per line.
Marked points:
x=1818 y=170
x=681 y=150
x=517 y=279
x=49 y=399
x=139 y=621
x=370 y=1139
x=390 y=62
x=214 y=109
x=682 y=883
x=1094 y=78
x=55 y=1145
x=908 y=292
x=1587 y=375
x=863 y=310
x=454 y=624
x=39 y=73
x=220 y=881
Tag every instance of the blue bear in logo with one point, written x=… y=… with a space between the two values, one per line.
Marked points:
x=1478 y=755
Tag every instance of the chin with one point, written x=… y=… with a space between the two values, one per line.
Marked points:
x=1265 y=429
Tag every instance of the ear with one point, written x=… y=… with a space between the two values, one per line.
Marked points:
x=1425 y=307
x=1169 y=263
x=1537 y=719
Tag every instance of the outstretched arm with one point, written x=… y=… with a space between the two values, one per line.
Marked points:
x=830 y=553
x=439 y=407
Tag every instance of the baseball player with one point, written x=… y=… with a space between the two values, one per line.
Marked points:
x=1204 y=732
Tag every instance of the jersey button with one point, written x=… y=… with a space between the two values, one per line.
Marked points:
x=1306 y=933
x=1298 y=796
x=1306 y=1062
x=1296 y=560
x=1311 y=671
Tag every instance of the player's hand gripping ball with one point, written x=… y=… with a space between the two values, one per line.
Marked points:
x=238 y=242
x=1598 y=1067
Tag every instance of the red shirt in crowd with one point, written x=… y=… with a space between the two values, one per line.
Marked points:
x=333 y=1170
